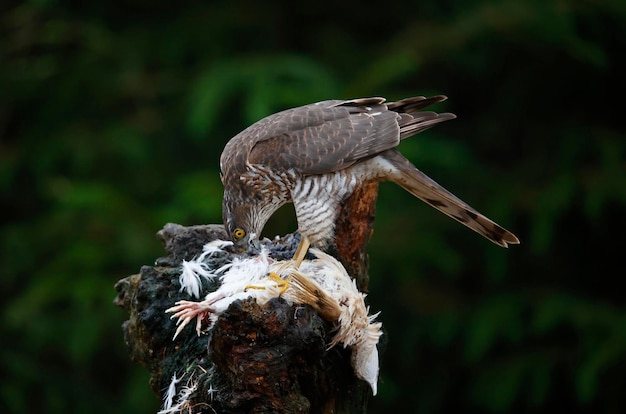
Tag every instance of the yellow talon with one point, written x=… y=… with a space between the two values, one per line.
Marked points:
x=282 y=284
x=254 y=287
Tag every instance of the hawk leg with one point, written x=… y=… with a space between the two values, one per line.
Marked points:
x=303 y=247
x=281 y=283
x=298 y=257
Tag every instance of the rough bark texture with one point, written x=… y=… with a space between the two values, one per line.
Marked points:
x=353 y=231
x=256 y=359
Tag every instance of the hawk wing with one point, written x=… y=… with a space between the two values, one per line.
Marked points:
x=333 y=135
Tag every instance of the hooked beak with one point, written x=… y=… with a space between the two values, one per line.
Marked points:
x=254 y=245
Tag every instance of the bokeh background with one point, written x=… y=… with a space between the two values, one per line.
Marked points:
x=113 y=116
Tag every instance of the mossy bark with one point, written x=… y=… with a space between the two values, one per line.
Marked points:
x=256 y=359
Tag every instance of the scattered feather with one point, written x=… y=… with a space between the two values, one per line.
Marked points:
x=195 y=270
x=212 y=391
x=182 y=402
x=168 y=399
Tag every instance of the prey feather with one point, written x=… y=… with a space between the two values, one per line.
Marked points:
x=323 y=283
x=193 y=271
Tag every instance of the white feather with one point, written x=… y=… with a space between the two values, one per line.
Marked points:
x=195 y=270
x=190 y=277
x=357 y=329
x=168 y=399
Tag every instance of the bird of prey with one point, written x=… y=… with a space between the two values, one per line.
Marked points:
x=316 y=155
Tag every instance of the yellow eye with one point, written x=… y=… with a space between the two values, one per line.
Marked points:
x=239 y=233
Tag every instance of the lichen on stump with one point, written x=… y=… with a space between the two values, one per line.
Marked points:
x=270 y=358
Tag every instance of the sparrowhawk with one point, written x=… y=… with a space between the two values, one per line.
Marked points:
x=316 y=155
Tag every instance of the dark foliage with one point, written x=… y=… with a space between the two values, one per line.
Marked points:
x=113 y=116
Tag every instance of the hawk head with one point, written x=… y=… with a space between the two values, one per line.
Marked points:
x=242 y=220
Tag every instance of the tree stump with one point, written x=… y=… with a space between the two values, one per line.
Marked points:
x=256 y=359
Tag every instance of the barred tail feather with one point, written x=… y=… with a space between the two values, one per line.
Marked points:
x=427 y=190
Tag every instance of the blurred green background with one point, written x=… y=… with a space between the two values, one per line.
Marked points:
x=113 y=116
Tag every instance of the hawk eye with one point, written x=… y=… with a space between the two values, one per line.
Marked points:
x=239 y=233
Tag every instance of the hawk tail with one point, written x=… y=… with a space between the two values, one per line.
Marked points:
x=423 y=187
x=412 y=119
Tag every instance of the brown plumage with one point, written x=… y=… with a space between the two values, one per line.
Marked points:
x=315 y=155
